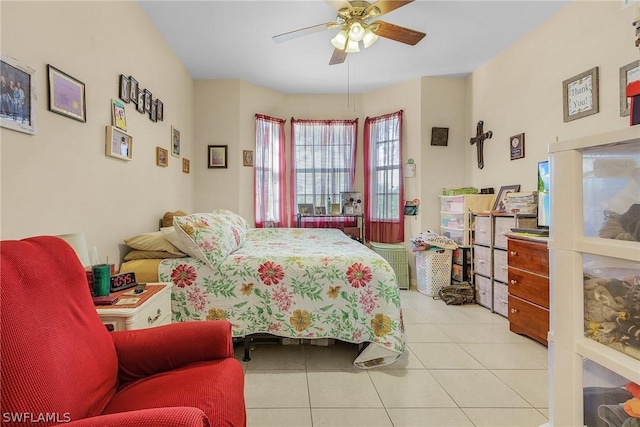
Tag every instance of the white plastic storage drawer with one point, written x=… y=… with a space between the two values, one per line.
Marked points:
x=455 y=235
x=452 y=220
x=484 y=294
x=500 y=298
x=500 y=265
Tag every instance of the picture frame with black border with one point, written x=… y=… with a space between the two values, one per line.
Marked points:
x=140 y=102
x=160 y=110
x=66 y=95
x=217 y=157
x=628 y=73
x=580 y=95
x=125 y=93
x=147 y=100
x=24 y=120
x=133 y=90
x=499 y=204
x=516 y=146
x=153 y=114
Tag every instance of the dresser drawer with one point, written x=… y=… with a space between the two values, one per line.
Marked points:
x=482 y=260
x=529 y=319
x=500 y=298
x=152 y=308
x=484 y=293
x=500 y=268
x=528 y=286
x=529 y=256
x=483 y=230
x=156 y=313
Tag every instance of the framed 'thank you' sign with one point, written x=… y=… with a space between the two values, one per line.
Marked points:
x=580 y=95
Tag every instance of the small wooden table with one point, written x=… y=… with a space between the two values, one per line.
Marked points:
x=152 y=308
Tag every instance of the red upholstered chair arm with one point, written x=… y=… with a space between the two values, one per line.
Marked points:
x=174 y=416
x=145 y=352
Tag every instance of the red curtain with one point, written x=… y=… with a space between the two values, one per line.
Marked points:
x=270 y=172
x=384 y=190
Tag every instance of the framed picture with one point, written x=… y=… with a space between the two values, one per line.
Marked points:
x=411 y=210
x=162 y=157
x=629 y=73
x=153 y=114
x=118 y=115
x=440 y=136
x=580 y=95
x=160 y=110
x=147 y=101
x=247 y=158
x=186 y=165
x=118 y=144
x=133 y=90
x=499 y=205
x=305 y=208
x=320 y=210
x=351 y=202
x=217 y=156
x=125 y=93
x=516 y=146
x=66 y=95
x=175 y=142
x=140 y=102
x=335 y=208
x=20 y=116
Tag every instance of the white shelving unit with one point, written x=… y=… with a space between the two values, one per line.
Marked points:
x=588 y=176
x=456 y=218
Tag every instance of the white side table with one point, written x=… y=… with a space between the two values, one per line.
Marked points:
x=152 y=309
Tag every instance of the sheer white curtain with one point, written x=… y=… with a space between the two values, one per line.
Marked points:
x=384 y=194
x=323 y=156
x=270 y=172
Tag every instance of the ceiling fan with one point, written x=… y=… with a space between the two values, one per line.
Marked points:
x=354 y=20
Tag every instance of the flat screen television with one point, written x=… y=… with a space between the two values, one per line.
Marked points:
x=544 y=199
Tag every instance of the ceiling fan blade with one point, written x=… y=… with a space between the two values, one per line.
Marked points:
x=303 y=32
x=338 y=57
x=339 y=4
x=384 y=6
x=398 y=33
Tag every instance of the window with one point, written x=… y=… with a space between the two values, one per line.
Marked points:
x=270 y=172
x=323 y=158
x=383 y=175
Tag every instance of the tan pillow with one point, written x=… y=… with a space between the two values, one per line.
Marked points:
x=167 y=219
x=136 y=254
x=154 y=241
x=146 y=269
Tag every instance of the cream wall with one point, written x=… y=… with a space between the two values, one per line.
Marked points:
x=520 y=90
x=60 y=181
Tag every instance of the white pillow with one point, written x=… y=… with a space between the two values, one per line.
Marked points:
x=170 y=234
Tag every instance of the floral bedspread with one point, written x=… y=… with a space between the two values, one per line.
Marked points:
x=296 y=283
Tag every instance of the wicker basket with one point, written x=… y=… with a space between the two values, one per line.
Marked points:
x=433 y=270
x=396 y=255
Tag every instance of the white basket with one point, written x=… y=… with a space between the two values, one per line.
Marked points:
x=433 y=270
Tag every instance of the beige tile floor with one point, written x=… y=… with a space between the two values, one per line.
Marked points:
x=462 y=367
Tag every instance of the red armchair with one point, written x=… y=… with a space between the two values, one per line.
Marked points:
x=60 y=365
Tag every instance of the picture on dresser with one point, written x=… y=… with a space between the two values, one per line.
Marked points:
x=499 y=205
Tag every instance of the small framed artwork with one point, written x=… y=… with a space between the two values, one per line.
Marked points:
x=305 y=209
x=217 y=156
x=66 y=95
x=20 y=116
x=247 y=158
x=147 y=101
x=125 y=93
x=499 y=205
x=186 y=165
x=160 y=110
x=118 y=144
x=320 y=210
x=411 y=210
x=162 y=157
x=175 y=142
x=629 y=73
x=140 y=102
x=516 y=146
x=440 y=136
x=335 y=208
x=580 y=95
x=133 y=90
x=153 y=114
x=118 y=115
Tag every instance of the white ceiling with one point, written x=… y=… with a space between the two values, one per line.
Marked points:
x=232 y=40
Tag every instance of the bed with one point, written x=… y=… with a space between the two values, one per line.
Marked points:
x=287 y=282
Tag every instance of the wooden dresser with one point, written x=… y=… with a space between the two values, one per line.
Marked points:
x=528 y=275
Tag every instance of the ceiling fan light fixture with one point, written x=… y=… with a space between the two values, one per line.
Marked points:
x=369 y=38
x=356 y=32
x=340 y=40
x=352 y=47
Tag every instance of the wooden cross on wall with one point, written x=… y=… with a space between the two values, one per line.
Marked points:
x=479 y=141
